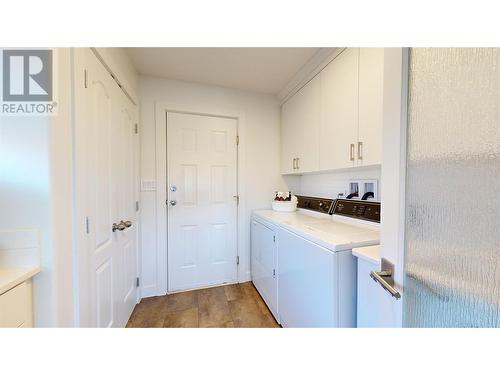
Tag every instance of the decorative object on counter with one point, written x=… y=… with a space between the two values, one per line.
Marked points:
x=281 y=196
x=284 y=202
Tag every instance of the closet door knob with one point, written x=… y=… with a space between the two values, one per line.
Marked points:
x=120 y=227
x=127 y=223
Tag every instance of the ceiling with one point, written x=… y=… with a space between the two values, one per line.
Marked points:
x=265 y=70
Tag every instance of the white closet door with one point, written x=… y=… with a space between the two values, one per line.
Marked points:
x=105 y=175
x=202 y=209
x=102 y=184
x=125 y=196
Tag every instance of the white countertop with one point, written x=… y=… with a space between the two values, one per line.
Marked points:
x=330 y=231
x=369 y=253
x=12 y=276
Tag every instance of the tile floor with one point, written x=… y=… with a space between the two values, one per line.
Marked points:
x=237 y=305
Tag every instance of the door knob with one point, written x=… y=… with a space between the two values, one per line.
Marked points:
x=173 y=203
x=121 y=226
x=127 y=223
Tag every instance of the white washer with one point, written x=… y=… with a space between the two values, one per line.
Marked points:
x=316 y=271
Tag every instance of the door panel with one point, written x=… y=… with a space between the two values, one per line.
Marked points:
x=101 y=146
x=104 y=294
x=339 y=110
x=201 y=164
x=126 y=240
x=452 y=241
x=106 y=166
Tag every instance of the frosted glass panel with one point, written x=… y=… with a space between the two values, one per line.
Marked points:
x=452 y=255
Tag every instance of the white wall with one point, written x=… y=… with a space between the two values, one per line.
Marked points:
x=329 y=185
x=261 y=157
x=35 y=187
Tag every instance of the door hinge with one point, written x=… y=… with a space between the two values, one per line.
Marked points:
x=137 y=282
x=274 y=238
x=136 y=206
x=85 y=78
x=237 y=260
x=237 y=140
x=136 y=128
x=87 y=226
x=274 y=272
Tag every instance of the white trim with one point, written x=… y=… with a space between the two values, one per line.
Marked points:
x=161 y=109
x=402 y=181
x=313 y=67
x=393 y=177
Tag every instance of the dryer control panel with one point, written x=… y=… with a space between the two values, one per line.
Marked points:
x=323 y=205
x=356 y=209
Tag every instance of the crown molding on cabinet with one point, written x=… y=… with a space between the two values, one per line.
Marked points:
x=315 y=65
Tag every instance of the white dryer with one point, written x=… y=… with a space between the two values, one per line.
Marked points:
x=316 y=271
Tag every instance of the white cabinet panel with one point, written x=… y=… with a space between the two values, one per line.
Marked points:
x=335 y=121
x=371 y=96
x=301 y=117
x=339 y=111
x=264 y=258
x=16 y=307
x=374 y=304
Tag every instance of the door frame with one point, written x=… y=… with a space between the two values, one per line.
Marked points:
x=393 y=177
x=161 y=109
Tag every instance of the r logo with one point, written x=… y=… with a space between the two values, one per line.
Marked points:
x=27 y=75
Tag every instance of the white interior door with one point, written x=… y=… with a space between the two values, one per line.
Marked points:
x=105 y=186
x=126 y=239
x=202 y=208
x=102 y=209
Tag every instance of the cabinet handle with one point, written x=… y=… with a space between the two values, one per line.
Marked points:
x=360 y=150
x=351 y=152
x=294 y=160
x=298 y=167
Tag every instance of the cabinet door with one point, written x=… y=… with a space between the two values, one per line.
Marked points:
x=289 y=139
x=371 y=91
x=16 y=307
x=339 y=111
x=264 y=274
x=301 y=117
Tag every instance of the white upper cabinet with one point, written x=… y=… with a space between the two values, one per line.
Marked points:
x=339 y=115
x=371 y=91
x=335 y=121
x=300 y=123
